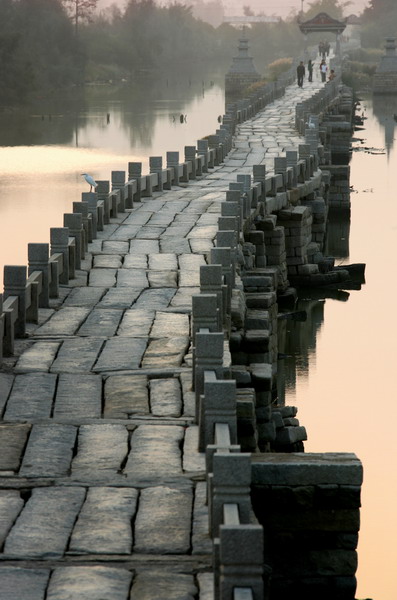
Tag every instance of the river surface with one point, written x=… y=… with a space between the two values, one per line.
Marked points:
x=342 y=374
x=342 y=367
x=44 y=151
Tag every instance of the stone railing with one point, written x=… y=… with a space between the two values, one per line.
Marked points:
x=26 y=289
x=54 y=264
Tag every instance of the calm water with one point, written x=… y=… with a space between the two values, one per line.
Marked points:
x=342 y=374
x=44 y=152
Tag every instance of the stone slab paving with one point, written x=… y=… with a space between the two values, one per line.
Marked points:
x=98 y=445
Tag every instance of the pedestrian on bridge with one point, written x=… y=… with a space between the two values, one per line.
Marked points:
x=300 y=72
x=310 y=66
x=323 y=71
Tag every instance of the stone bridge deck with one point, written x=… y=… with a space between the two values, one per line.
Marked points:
x=102 y=490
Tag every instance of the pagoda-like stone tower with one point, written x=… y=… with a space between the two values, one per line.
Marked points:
x=385 y=77
x=242 y=72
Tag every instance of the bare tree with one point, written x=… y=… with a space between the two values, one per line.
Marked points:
x=80 y=10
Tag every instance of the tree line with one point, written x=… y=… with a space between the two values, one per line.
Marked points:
x=53 y=44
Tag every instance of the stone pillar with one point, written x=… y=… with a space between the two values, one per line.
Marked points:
x=209 y=357
x=214 y=142
x=38 y=257
x=15 y=285
x=205 y=314
x=228 y=239
x=222 y=256
x=218 y=405
x=173 y=163
x=202 y=150
x=231 y=482
x=118 y=183
x=74 y=222
x=156 y=166
x=242 y=562
x=234 y=195
x=190 y=156
x=304 y=154
x=247 y=190
x=59 y=238
x=211 y=283
x=92 y=203
x=292 y=159
x=82 y=208
x=102 y=192
x=135 y=172
x=280 y=168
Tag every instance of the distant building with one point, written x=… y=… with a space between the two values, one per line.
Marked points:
x=242 y=72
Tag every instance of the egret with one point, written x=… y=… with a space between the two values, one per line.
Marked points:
x=90 y=180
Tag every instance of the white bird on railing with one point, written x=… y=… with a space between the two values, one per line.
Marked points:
x=90 y=180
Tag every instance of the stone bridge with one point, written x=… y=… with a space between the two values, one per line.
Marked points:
x=143 y=450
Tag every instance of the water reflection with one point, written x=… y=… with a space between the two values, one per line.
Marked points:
x=385 y=110
x=44 y=150
x=342 y=364
x=338 y=234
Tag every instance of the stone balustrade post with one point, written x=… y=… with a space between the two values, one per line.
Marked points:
x=292 y=159
x=217 y=405
x=118 y=183
x=235 y=195
x=173 y=163
x=82 y=208
x=214 y=142
x=237 y=186
x=259 y=176
x=202 y=150
x=38 y=259
x=59 y=239
x=232 y=209
x=230 y=483
x=209 y=356
x=74 y=222
x=246 y=180
x=222 y=256
x=15 y=285
x=228 y=224
x=135 y=172
x=241 y=561
x=205 y=314
x=92 y=203
x=304 y=154
x=228 y=239
x=280 y=168
x=102 y=192
x=211 y=282
x=156 y=166
x=190 y=156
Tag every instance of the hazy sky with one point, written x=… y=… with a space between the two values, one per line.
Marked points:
x=269 y=7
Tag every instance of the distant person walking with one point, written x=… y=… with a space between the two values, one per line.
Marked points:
x=323 y=71
x=300 y=72
x=310 y=70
